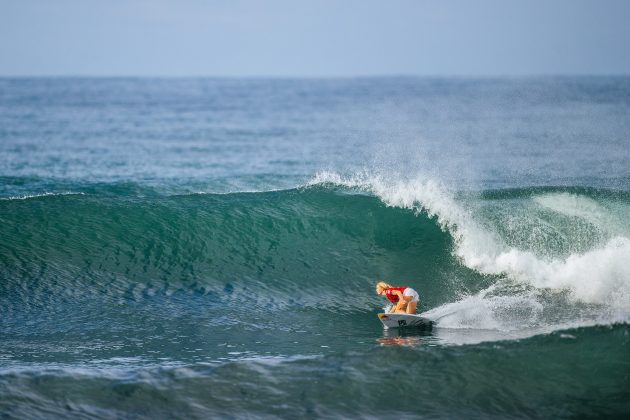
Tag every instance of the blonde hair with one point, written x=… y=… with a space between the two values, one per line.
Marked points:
x=383 y=285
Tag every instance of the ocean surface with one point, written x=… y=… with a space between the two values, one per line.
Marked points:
x=202 y=248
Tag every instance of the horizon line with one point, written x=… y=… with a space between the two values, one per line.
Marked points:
x=313 y=77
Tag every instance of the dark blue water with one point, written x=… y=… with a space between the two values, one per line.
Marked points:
x=209 y=247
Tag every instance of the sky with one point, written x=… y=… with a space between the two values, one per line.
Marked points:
x=318 y=38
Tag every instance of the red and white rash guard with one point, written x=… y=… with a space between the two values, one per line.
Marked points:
x=389 y=293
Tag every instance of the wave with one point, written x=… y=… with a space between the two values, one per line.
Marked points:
x=534 y=259
x=40 y=195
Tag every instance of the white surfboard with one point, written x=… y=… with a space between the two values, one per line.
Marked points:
x=405 y=321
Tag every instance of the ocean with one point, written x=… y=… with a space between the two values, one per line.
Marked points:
x=208 y=247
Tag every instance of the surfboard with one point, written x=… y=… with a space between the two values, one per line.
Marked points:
x=405 y=321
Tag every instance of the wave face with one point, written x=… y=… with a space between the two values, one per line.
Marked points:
x=276 y=249
x=256 y=290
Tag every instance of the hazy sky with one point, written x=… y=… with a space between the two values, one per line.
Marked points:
x=313 y=38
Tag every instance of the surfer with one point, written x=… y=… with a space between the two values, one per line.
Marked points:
x=404 y=299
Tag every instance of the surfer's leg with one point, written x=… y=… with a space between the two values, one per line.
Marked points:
x=411 y=296
x=402 y=305
x=411 y=307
